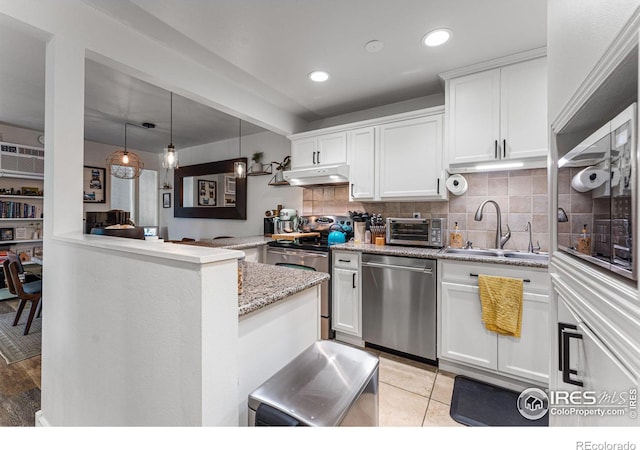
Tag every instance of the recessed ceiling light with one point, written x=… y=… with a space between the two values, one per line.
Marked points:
x=373 y=46
x=318 y=76
x=436 y=37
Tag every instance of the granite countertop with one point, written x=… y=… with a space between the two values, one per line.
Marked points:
x=436 y=253
x=264 y=284
x=231 y=243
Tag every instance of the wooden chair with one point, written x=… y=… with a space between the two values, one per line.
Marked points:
x=29 y=292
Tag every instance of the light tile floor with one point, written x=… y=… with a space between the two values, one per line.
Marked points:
x=413 y=394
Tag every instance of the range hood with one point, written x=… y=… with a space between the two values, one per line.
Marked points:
x=313 y=176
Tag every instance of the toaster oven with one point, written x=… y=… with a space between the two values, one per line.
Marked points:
x=416 y=232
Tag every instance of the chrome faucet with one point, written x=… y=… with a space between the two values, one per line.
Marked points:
x=500 y=239
x=531 y=248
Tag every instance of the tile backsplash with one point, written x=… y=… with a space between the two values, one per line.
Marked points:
x=521 y=194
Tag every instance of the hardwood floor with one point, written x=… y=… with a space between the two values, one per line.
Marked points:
x=19 y=386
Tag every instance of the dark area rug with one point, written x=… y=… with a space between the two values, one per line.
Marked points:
x=479 y=404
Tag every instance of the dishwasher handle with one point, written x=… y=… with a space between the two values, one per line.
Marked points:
x=424 y=270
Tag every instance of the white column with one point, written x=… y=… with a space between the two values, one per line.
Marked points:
x=64 y=156
x=64 y=136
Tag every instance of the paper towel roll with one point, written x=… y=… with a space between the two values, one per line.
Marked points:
x=589 y=178
x=457 y=184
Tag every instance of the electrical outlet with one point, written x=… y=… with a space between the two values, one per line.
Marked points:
x=417 y=215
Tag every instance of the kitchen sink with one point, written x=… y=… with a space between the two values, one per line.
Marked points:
x=474 y=252
x=529 y=256
x=496 y=253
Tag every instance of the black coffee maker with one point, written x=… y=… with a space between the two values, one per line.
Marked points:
x=269 y=226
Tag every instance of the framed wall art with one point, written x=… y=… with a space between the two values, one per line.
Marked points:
x=207 y=193
x=94 y=185
x=6 y=234
x=166 y=200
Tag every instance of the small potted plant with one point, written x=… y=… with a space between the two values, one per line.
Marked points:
x=281 y=167
x=256 y=167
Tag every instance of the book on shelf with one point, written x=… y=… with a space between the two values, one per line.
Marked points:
x=19 y=210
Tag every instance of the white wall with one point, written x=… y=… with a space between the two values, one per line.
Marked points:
x=260 y=196
x=579 y=32
x=9 y=133
x=380 y=111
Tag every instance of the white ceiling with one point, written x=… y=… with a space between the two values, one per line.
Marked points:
x=269 y=46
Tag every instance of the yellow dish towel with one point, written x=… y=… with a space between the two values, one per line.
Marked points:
x=501 y=300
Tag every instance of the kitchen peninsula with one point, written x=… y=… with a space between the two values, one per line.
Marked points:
x=252 y=246
x=164 y=339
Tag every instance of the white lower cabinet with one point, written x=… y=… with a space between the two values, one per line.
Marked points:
x=591 y=367
x=464 y=338
x=346 y=298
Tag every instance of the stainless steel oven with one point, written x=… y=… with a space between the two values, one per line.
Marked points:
x=310 y=253
x=317 y=260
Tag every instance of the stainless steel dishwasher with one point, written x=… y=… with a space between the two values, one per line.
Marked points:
x=399 y=304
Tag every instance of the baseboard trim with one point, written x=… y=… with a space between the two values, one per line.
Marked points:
x=346 y=338
x=40 y=420
x=487 y=377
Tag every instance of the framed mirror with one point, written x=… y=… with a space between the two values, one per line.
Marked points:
x=210 y=191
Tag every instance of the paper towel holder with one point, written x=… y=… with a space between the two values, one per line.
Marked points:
x=457 y=184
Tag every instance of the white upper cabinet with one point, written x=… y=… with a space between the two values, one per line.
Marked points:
x=361 y=150
x=498 y=114
x=411 y=158
x=319 y=150
x=523 y=109
x=473 y=108
x=397 y=157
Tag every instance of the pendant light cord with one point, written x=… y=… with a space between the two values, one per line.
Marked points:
x=171 y=119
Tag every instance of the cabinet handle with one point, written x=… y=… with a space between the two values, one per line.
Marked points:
x=318 y=156
x=438 y=191
x=526 y=280
x=504 y=148
x=354 y=280
x=566 y=371
x=351 y=190
x=561 y=327
x=344 y=260
x=495 y=149
x=314 y=157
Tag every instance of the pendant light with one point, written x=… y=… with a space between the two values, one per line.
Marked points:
x=124 y=163
x=170 y=155
x=240 y=167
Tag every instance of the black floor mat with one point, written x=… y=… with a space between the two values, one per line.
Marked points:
x=479 y=404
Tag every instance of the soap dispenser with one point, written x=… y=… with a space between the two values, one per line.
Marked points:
x=455 y=237
x=584 y=241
